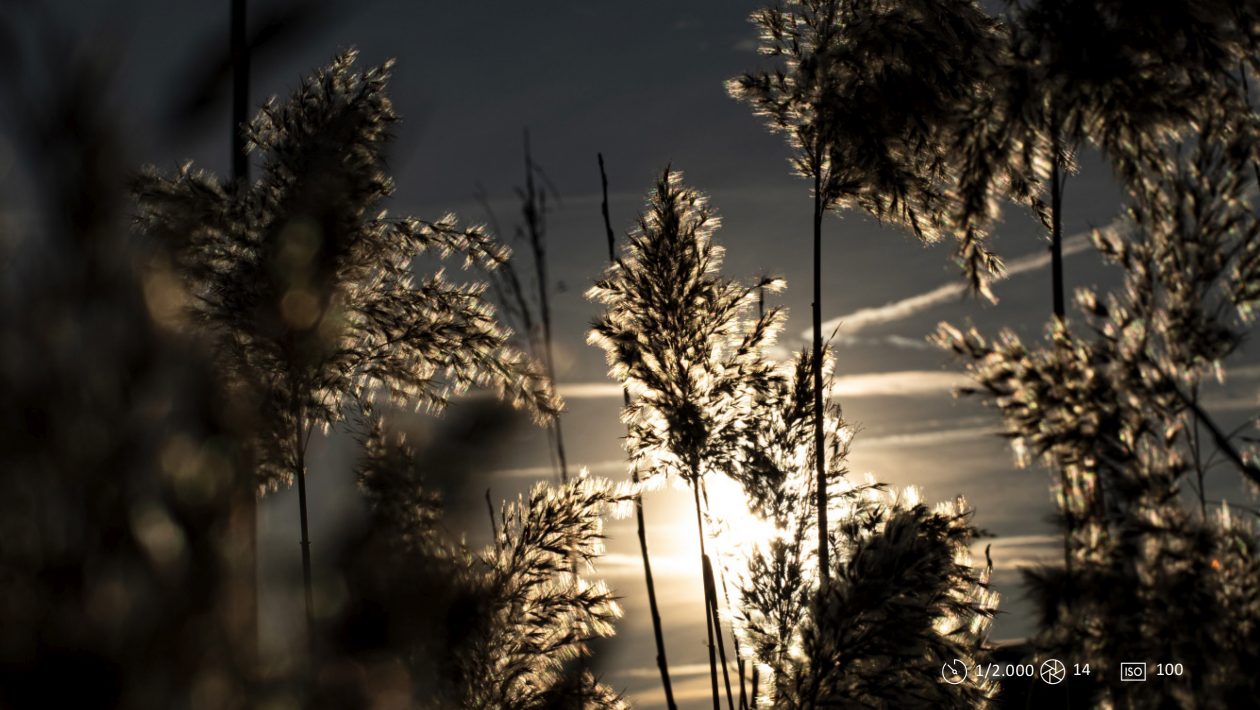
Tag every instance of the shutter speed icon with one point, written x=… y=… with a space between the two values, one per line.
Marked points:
x=954 y=672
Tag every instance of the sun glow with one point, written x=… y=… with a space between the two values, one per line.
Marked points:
x=733 y=532
x=732 y=524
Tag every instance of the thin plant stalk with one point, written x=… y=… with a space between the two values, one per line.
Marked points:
x=726 y=594
x=739 y=657
x=1196 y=454
x=1223 y=444
x=820 y=462
x=535 y=208
x=299 y=453
x=510 y=293
x=494 y=527
x=240 y=92
x=708 y=617
x=1060 y=312
x=248 y=503
x=657 y=632
x=710 y=591
x=1056 y=224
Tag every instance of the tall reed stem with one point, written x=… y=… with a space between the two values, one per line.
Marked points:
x=535 y=208
x=299 y=453
x=710 y=591
x=248 y=499
x=820 y=461
x=661 y=663
x=708 y=617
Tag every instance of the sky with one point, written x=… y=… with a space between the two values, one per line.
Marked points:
x=642 y=83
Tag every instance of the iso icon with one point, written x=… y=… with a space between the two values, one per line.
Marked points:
x=1133 y=672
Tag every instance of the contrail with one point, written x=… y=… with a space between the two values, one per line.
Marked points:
x=906 y=307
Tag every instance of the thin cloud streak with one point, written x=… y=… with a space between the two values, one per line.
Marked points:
x=1017 y=552
x=588 y=390
x=617 y=564
x=929 y=438
x=895 y=341
x=906 y=307
x=901 y=383
x=913 y=439
x=696 y=687
x=1232 y=404
x=898 y=383
x=680 y=670
x=599 y=467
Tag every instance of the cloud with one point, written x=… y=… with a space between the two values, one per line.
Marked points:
x=907 y=307
x=618 y=564
x=681 y=670
x=901 y=440
x=1245 y=372
x=692 y=688
x=877 y=384
x=896 y=341
x=1017 y=552
x=1231 y=404
x=928 y=438
x=900 y=383
x=589 y=390
x=602 y=468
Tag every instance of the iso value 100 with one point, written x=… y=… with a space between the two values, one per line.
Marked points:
x=1136 y=671
x=1005 y=670
x=1169 y=669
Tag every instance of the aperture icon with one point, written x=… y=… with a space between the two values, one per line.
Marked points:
x=1053 y=672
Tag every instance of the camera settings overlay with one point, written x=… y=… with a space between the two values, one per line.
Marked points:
x=1051 y=671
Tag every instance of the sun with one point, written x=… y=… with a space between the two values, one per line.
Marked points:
x=732 y=531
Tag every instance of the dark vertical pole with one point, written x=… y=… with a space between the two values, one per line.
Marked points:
x=240 y=176
x=820 y=461
x=240 y=93
x=1056 y=225
x=657 y=632
x=1060 y=312
x=299 y=451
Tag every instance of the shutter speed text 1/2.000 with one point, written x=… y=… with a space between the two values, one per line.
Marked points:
x=1018 y=670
